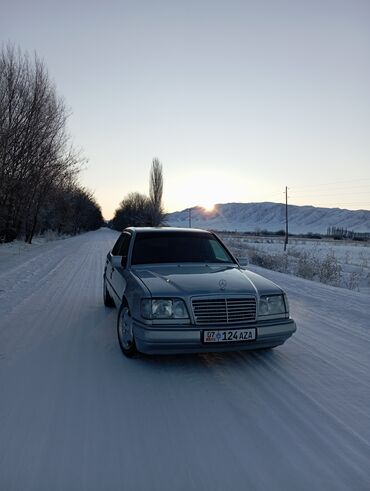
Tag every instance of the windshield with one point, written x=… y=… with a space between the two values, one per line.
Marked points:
x=178 y=247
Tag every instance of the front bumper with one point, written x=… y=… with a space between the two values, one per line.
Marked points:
x=162 y=339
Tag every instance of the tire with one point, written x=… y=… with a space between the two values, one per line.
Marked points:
x=108 y=300
x=125 y=333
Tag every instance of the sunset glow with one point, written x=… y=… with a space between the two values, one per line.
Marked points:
x=209 y=208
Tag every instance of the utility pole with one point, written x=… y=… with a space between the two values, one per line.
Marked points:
x=189 y=217
x=286 y=218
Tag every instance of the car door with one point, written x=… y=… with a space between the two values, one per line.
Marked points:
x=117 y=276
x=108 y=272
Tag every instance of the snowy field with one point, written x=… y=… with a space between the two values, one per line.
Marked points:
x=76 y=415
x=347 y=263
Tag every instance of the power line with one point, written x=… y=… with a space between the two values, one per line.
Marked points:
x=339 y=205
x=360 y=186
x=351 y=203
x=331 y=183
x=331 y=194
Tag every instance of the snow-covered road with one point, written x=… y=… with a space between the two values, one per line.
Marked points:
x=75 y=414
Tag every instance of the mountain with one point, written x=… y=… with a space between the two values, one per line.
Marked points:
x=271 y=216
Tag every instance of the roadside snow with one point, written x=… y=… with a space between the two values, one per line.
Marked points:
x=352 y=259
x=75 y=414
x=17 y=252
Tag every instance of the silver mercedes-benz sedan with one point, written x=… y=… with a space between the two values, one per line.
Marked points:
x=182 y=291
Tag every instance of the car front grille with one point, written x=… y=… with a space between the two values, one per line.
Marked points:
x=224 y=310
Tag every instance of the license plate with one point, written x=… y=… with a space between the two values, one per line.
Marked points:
x=229 y=335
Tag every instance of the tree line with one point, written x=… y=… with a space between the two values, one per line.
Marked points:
x=344 y=233
x=39 y=167
x=139 y=210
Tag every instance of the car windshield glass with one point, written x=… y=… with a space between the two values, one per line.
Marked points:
x=179 y=247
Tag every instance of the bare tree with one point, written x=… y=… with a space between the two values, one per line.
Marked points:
x=138 y=210
x=35 y=152
x=134 y=211
x=156 y=192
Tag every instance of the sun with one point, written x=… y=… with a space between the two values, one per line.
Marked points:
x=209 y=207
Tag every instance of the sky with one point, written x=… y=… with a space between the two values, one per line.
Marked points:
x=237 y=99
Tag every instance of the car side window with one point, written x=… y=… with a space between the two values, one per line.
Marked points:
x=124 y=245
x=117 y=245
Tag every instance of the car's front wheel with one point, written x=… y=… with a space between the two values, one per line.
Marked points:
x=125 y=331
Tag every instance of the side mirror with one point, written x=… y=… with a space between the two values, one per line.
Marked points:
x=116 y=261
x=242 y=261
x=119 y=261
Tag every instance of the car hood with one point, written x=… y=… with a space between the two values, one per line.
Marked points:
x=192 y=280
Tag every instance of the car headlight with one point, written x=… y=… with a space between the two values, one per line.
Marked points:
x=164 y=308
x=272 y=305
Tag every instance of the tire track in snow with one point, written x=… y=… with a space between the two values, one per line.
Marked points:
x=290 y=422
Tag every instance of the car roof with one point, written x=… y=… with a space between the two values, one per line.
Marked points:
x=143 y=230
